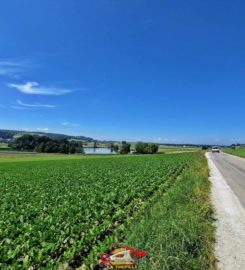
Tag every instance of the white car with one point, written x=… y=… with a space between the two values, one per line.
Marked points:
x=215 y=149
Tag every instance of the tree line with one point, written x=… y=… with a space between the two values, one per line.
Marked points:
x=140 y=148
x=146 y=148
x=44 y=144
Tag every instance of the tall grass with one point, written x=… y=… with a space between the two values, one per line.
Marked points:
x=178 y=231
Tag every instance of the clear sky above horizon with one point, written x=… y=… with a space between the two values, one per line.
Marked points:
x=164 y=71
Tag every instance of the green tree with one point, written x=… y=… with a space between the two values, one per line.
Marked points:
x=140 y=147
x=95 y=144
x=115 y=148
x=40 y=147
x=50 y=147
x=151 y=148
x=125 y=148
x=44 y=144
x=72 y=149
x=63 y=148
x=146 y=148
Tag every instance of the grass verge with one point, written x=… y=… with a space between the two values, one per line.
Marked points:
x=178 y=231
x=240 y=152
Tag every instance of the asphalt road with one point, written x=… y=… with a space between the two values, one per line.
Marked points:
x=232 y=169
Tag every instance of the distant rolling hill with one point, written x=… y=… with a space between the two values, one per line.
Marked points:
x=10 y=134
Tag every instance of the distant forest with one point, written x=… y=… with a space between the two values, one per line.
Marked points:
x=9 y=134
x=44 y=144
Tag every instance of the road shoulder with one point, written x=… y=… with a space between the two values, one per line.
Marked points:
x=230 y=215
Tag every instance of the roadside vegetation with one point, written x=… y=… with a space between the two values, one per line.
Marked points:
x=178 y=230
x=240 y=152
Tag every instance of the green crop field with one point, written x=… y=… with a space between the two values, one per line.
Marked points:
x=57 y=211
x=172 y=149
x=237 y=152
x=3 y=146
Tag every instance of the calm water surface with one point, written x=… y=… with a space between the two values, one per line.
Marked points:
x=95 y=151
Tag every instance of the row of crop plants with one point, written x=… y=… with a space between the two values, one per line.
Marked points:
x=56 y=212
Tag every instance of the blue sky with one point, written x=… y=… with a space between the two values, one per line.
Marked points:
x=165 y=71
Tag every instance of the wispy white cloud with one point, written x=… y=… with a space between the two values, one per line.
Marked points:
x=14 y=68
x=27 y=106
x=70 y=124
x=19 y=107
x=35 y=105
x=33 y=88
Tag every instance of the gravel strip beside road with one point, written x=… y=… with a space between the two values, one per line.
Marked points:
x=230 y=234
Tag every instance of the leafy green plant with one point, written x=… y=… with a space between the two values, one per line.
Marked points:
x=59 y=211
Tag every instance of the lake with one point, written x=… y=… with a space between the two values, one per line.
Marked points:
x=95 y=151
